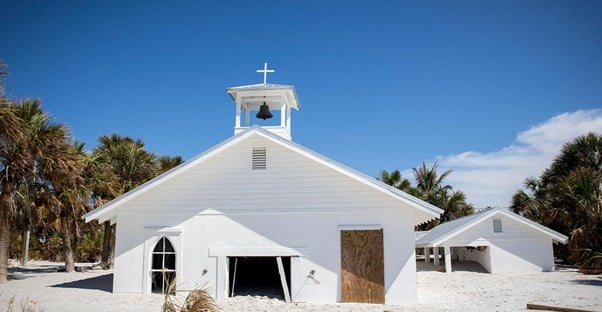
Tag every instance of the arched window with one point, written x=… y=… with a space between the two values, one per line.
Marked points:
x=163 y=269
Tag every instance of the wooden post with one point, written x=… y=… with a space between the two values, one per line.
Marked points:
x=436 y=255
x=288 y=119
x=237 y=120
x=287 y=295
x=283 y=114
x=427 y=254
x=222 y=277
x=447 y=256
x=233 y=276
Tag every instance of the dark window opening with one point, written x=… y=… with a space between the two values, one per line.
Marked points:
x=258 y=276
x=163 y=267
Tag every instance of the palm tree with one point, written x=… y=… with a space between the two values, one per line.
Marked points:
x=166 y=163
x=63 y=171
x=31 y=161
x=428 y=181
x=57 y=173
x=568 y=198
x=3 y=75
x=454 y=204
x=395 y=179
x=430 y=188
x=125 y=165
x=12 y=165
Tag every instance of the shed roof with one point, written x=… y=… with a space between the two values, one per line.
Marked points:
x=109 y=210
x=445 y=231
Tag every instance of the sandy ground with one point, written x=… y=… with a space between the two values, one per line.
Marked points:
x=49 y=290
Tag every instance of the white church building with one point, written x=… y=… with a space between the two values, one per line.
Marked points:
x=499 y=240
x=258 y=212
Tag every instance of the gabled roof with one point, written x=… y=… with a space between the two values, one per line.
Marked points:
x=419 y=234
x=261 y=86
x=445 y=231
x=257 y=92
x=109 y=210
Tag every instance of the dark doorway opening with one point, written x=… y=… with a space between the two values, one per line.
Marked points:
x=257 y=276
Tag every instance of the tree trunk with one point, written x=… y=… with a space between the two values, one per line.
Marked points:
x=106 y=245
x=67 y=250
x=112 y=251
x=25 y=247
x=113 y=240
x=4 y=234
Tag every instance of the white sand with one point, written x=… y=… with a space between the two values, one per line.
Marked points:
x=457 y=291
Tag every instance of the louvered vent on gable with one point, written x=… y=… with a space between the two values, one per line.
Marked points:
x=259 y=158
x=497 y=225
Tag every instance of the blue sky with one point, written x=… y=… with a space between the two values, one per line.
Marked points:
x=382 y=85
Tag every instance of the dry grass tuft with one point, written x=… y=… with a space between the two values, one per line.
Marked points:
x=198 y=300
x=26 y=305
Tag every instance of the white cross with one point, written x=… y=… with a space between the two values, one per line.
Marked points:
x=265 y=72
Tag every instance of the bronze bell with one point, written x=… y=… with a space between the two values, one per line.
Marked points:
x=264 y=112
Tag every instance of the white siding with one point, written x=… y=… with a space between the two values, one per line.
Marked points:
x=295 y=204
x=518 y=248
x=291 y=182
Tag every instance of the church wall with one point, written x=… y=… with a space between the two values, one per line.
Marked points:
x=314 y=238
x=297 y=205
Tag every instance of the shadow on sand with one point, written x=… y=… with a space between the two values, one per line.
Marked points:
x=20 y=273
x=37 y=269
x=591 y=281
x=465 y=266
x=101 y=282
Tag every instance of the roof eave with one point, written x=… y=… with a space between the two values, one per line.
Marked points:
x=422 y=206
x=105 y=212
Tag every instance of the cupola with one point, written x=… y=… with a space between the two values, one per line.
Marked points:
x=267 y=105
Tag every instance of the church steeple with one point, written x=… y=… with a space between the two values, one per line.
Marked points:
x=279 y=100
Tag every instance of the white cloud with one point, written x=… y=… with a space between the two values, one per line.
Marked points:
x=490 y=179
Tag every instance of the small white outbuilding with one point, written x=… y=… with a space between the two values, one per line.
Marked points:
x=259 y=211
x=498 y=239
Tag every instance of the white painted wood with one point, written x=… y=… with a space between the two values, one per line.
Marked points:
x=265 y=72
x=276 y=189
x=283 y=114
x=255 y=251
x=222 y=277
x=287 y=295
x=447 y=256
x=310 y=164
x=237 y=117
x=288 y=119
x=223 y=208
x=363 y=227
x=518 y=248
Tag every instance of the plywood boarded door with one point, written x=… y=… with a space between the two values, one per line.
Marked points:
x=362 y=266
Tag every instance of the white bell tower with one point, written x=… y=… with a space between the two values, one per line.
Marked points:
x=279 y=99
